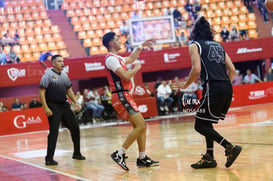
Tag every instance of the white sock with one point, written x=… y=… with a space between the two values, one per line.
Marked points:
x=142 y=155
x=121 y=150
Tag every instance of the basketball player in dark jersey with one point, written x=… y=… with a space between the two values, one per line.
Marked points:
x=120 y=83
x=210 y=58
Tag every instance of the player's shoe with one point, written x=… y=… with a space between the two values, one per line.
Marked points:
x=146 y=162
x=206 y=161
x=232 y=153
x=120 y=160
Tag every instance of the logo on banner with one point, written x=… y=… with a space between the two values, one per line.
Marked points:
x=168 y=58
x=21 y=121
x=143 y=108
x=93 y=66
x=14 y=73
x=246 y=50
x=257 y=94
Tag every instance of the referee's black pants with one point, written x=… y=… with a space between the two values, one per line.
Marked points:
x=62 y=112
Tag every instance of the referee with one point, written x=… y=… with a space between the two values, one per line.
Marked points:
x=54 y=87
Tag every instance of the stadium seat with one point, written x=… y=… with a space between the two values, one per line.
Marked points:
x=87 y=43
x=252 y=34
x=82 y=35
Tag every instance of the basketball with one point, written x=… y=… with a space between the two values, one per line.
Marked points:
x=269 y=5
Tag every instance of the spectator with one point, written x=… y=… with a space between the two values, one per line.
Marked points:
x=79 y=98
x=34 y=103
x=196 y=6
x=263 y=10
x=45 y=56
x=3 y=57
x=234 y=33
x=2 y=107
x=15 y=38
x=92 y=104
x=25 y=106
x=167 y=11
x=107 y=103
x=248 y=4
x=243 y=35
x=17 y=105
x=269 y=75
x=183 y=39
x=238 y=79
x=124 y=29
x=199 y=84
x=12 y=56
x=224 y=34
x=128 y=46
x=6 y=40
x=175 y=95
x=135 y=15
x=177 y=16
x=250 y=78
x=3 y=4
x=189 y=8
x=163 y=96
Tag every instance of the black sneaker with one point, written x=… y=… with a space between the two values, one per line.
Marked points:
x=206 y=161
x=120 y=160
x=78 y=157
x=146 y=162
x=51 y=162
x=232 y=153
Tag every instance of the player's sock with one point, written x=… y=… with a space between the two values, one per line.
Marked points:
x=121 y=151
x=142 y=155
x=210 y=151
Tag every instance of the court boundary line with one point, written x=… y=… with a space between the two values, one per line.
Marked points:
x=45 y=168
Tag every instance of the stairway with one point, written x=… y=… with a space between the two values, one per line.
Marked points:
x=264 y=29
x=73 y=45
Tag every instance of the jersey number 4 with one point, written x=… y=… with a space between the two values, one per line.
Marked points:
x=217 y=54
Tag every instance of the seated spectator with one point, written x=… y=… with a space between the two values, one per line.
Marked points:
x=79 y=98
x=238 y=79
x=3 y=108
x=163 y=96
x=135 y=15
x=269 y=75
x=17 y=105
x=107 y=103
x=124 y=29
x=183 y=39
x=234 y=33
x=45 y=56
x=12 y=56
x=243 y=35
x=34 y=103
x=251 y=78
x=128 y=46
x=167 y=11
x=224 y=34
x=175 y=95
x=177 y=16
x=92 y=103
x=196 y=6
x=6 y=40
x=199 y=84
x=16 y=38
x=3 y=57
x=25 y=106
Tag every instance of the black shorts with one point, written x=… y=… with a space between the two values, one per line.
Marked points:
x=215 y=102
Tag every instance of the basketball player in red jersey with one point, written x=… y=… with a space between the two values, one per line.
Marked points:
x=119 y=79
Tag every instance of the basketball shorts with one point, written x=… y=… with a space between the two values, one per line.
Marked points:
x=215 y=102
x=124 y=104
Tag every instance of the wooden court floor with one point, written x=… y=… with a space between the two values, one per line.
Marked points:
x=171 y=140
